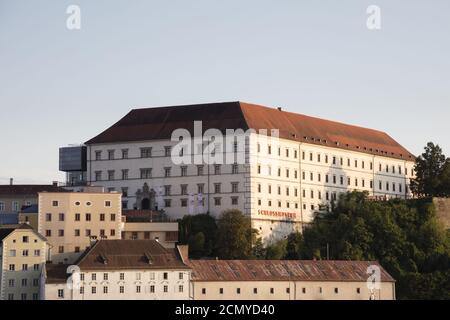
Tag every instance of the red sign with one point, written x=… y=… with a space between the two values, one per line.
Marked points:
x=290 y=215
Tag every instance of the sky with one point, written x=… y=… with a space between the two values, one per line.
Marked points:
x=61 y=86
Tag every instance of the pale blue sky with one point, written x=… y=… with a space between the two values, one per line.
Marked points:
x=314 y=57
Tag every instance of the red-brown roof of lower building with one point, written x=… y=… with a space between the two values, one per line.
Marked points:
x=130 y=255
x=283 y=270
x=159 y=123
x=28 y=189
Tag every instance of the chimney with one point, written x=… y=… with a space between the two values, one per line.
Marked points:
x=11 y=181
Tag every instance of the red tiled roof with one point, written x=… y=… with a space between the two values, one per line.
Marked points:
x=282 y=270
x=28 y=189
x=129 y=255
x=159 y=123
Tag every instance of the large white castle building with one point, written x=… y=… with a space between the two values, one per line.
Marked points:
x=289 y=167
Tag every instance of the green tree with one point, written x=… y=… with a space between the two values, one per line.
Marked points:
x=403 y=235
x=258 y=250
x=197 y=245
x=191 y=225
x=235 y=236
x=432 y=173
x=276 y=251
x=294 y=246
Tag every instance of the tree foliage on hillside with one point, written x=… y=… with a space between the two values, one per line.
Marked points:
x=199 y=231
x=404 y=236
x=432 y=173
x=235 y=236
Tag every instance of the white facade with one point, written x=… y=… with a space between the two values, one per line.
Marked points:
x=124 y=285
x=290 y=290
x=280 y=186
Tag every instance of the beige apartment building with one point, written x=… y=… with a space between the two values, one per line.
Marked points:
x=287 y=280
x=23 y=254
x=29 y=215
x=121 y=270
x=72 y=220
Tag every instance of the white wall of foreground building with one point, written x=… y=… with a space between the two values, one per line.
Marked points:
x=289 y=290
x=124 y=285
x=278 y=203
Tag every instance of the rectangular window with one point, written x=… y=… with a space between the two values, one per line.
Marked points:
x=111 y=154
x=167 y=151
x=146 y=173
x=146 y=152
x=167 y=190
x=125 y=174
x=124 y=153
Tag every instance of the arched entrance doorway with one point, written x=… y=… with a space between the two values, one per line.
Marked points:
x=145 y=204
